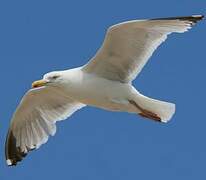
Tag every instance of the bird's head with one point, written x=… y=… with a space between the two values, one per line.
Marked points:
x=52 y=78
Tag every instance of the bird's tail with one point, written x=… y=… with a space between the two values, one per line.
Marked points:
x=163 y=110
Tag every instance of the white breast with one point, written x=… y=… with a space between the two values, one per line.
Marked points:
x=96 y=91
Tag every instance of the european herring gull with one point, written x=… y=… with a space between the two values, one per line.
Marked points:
x=104 y=82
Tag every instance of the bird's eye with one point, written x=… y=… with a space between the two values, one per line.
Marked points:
x=55 y=77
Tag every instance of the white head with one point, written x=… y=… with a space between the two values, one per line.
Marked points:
x=49 y=79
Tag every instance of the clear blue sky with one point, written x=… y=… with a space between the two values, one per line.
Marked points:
x=41 y=36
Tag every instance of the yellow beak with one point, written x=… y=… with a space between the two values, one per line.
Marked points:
x=39 y=83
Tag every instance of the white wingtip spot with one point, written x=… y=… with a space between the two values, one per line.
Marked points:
x=197 y=16
x=8 y=162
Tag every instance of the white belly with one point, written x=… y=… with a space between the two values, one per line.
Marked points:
x=100 y=92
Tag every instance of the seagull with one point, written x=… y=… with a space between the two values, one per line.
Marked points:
x=104 y=82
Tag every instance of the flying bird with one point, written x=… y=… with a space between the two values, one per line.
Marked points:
x=104 y=82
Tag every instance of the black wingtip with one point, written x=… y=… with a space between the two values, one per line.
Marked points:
x=13 y=154
x=193 y=18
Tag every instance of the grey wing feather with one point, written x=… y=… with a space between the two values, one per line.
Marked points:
x=34 y=120
x=128 y=46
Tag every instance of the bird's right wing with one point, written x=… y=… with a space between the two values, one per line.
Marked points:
x=128 y=46
x=34 y=120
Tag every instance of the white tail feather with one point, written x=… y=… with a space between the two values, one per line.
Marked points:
x=164 y=110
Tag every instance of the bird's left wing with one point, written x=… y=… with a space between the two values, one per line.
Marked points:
x=34 y=120
x=128 y=46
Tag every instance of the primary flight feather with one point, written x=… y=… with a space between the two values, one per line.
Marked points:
x=104 y=82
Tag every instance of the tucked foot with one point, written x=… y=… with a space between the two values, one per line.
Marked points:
x=150 y=115
x=145 y=113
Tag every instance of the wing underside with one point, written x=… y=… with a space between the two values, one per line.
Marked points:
x=34 y=121
x=128 y=46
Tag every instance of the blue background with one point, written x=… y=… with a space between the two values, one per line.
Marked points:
x=41 y=36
